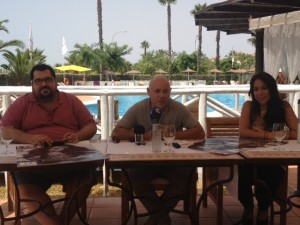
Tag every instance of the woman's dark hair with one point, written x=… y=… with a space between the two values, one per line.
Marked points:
x=275 y=109
x=42 y=67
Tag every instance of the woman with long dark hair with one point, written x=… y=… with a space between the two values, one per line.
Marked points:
x=257 y=119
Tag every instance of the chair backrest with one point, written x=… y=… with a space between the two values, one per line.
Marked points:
x=222 y=127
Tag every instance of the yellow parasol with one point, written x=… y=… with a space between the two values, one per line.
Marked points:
x=73 y=68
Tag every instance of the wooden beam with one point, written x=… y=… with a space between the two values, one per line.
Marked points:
x=289 y=3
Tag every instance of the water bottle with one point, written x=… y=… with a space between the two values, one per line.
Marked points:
x=298 y=132
x=156 y=138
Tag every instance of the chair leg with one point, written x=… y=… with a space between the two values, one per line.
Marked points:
x=10 y=192
x=204 y=202
x=220 y=205
x=12 y=198
x=193 y=196
x=298 y=178
x=124 y=200
x=210 y=175
x=83 y=210
x=283 y=195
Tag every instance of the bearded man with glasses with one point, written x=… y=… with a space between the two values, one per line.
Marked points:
x=39 y=118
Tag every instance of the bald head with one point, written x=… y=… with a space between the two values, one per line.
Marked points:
x=159 y=91
x=159 y=80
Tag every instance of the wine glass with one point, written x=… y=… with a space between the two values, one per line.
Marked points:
x=6 y=136
x=169 y=132
x=280 y=130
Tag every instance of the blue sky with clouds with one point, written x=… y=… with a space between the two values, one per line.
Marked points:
x=76 y=20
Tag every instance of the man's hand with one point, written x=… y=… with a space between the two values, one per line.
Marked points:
x=71 y=137
x=40 y=140
x=148 y=135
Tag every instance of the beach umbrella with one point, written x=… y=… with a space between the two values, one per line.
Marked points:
x=215 y=71
x=160 y=71
x=251 y=71
x=230 y=71
x=238 y=71
x=73 y=68
x=108 y=73
x=133 y=72
x=188 y=71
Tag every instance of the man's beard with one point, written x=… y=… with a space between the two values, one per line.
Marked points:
x=46 y=97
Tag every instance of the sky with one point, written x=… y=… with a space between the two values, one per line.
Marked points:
x=124 y=21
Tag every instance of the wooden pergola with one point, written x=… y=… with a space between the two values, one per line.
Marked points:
x=233 y=17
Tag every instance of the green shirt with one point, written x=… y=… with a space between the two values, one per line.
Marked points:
x=175 y=113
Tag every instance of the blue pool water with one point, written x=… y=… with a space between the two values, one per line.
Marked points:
x=125 y=102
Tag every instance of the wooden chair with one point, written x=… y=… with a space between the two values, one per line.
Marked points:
x=160 y=185
x=222 y=127
x=12 y=199
x=218 y=127
x=229 y=127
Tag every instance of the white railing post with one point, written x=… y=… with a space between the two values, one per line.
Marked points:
x=295 y=103
x=111 y=113
x=237 y=101
x=202 y=110
x=6 y=101
x=183 y=98
x=104 y=117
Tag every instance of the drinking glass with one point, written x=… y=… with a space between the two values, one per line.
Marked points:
x=6 y=136
x=169 y=132
x=280 y=130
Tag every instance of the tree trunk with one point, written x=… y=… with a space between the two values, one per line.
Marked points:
x=199 y=54
x=100 y=33
x=169 y=39
x=218 y=52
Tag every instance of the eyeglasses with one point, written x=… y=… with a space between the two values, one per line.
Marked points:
x=47 y=80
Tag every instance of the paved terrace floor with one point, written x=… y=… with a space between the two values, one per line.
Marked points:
x=107 y=211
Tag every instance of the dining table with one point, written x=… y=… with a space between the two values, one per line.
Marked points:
x=25 y=157
x=192 y=153
x=258 y=152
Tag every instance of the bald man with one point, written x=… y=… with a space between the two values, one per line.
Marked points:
x=187 y=127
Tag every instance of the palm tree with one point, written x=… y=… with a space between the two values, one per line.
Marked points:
x=168 y=3
x=145 y=45
x=82 y=55
x=199 y=7
x=111 y=57
x=19 y=64
x=252 y=41
x=12 y=43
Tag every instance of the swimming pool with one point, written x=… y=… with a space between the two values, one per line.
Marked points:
x=125 y=102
